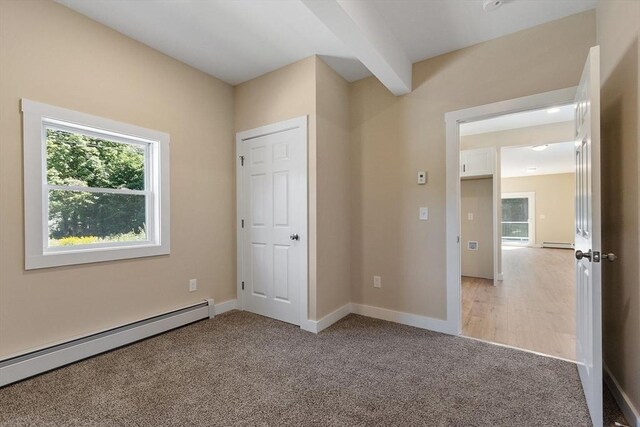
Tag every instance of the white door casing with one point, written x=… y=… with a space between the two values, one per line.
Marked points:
x=453 y=120
x=272 y=220
x=588 y=236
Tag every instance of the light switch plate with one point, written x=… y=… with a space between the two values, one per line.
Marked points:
x=424 y=214
x=470 y=216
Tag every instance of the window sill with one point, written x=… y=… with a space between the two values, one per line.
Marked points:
x=86 y=256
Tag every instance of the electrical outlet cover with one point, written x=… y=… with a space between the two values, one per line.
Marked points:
x=377 y=282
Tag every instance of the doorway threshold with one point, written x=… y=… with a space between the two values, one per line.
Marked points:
x=519 y=348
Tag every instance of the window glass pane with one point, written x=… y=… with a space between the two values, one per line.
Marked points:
x=515 y=209
x=515 y=217
x=82 y=160
x=515 y=231
x=81 y=217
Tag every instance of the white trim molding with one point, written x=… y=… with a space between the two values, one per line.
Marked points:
x=409 y=319
x=415 y=320
x=453 y=120
x=631 y=413
x=316 y=326
x=36 y=119
x=223 y=307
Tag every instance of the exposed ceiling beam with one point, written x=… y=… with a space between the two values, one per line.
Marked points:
x=363 y=30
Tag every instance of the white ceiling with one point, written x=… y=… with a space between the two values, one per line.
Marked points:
x=237 y=40
x=557 y=158
x=518 y=120
x=234 y=40
x=426 y=28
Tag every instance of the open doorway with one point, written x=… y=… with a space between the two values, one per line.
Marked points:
x=517 y=195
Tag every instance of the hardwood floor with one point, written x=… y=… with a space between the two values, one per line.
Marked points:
x=532 y=308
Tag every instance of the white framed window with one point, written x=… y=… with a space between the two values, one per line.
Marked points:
x=518 y=219
x=94 y=189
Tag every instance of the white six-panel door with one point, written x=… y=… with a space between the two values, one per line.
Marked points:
x=272 y=209
x=588 y=237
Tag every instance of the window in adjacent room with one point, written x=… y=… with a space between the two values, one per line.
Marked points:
x=518 y=218
x=95 y=189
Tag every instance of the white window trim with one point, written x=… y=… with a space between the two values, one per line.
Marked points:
x=35 y=197
x=531 y=196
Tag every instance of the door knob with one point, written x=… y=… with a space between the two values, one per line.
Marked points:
x=294 y=237
x=580 y=255
x=595 y=256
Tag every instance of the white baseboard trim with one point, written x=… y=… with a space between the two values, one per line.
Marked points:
x=631 y=413
x=409 y=319
x=316 y=326
x=26 y=365
x=223 y=307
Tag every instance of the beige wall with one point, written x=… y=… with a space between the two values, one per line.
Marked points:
x=310 y=87
x=333 y=158
x=279 y=95
x=51 y=54
x=476 y=198
x=618 y=24
x=532 y=135
x=394 y=137
x=554 y=201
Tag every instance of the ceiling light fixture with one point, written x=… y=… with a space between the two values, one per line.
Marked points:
x=531 y=169
x=553 y=110
x=491 y=5
x=540 y=147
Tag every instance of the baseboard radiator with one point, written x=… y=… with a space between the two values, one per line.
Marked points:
x=558 y=245
x=26 y=365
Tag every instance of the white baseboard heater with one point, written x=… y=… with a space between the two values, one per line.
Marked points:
x=36 y=362
x=558 y=245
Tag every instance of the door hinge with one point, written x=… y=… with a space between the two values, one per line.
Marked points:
x=242 y=223
x=243 y=286
x=241 y=160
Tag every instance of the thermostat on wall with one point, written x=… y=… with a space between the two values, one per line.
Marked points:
x=472 y=245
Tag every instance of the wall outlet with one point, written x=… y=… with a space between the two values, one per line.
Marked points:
x=377 y=281
x=193 y=285
x=422 y=178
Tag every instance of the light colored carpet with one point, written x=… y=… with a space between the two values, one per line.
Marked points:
x=244 y=369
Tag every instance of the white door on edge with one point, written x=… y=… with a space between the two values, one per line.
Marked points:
x=588 y=238
x=274 y=211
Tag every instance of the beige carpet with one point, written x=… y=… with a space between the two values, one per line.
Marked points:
x=243 y=369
